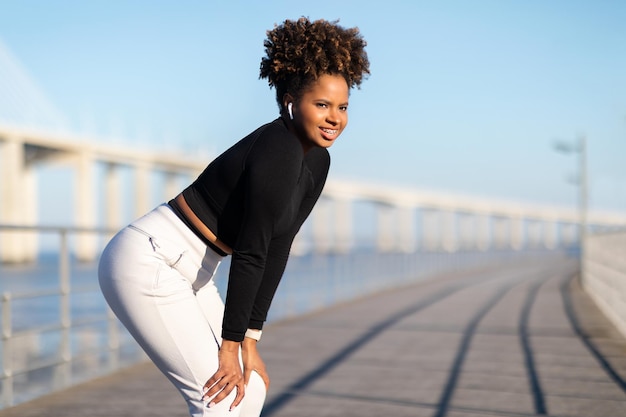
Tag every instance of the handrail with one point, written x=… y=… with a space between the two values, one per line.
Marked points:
x=52 y=228
x=339 y=277
x=61 y=362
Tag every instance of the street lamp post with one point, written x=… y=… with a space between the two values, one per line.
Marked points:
x=579 y=147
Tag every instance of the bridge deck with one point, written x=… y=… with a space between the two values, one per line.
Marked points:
x=511 y=341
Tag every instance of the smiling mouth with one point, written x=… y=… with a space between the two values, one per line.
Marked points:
x=331 y=132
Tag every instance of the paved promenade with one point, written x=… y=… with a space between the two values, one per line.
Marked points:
x=520 y=340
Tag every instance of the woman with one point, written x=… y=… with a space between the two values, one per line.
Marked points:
x=156 y=274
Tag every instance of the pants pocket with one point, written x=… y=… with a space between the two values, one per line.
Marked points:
x=167 y=251
x=176 y=257
x=170 y=253
x=182 y=262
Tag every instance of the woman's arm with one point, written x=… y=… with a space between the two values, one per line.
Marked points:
x=270 y=179
x=280 y=246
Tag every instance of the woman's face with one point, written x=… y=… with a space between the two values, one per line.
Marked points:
x=321 y=113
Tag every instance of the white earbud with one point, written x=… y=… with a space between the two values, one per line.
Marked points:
x=289 y=106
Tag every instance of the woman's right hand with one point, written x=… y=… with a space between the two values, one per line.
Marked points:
x=229 y=376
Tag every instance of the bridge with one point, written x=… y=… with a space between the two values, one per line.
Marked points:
x=447 y=222
x=33 y=133
x=460 y=306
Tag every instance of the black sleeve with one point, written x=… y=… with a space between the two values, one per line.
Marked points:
x=270 y=177
x=279 y=248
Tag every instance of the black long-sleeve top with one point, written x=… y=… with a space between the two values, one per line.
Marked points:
x=255 y=197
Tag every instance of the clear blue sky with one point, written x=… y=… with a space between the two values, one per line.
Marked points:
x=464 y=96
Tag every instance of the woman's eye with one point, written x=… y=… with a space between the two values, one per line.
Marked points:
x=343 y=108
x=323 y=105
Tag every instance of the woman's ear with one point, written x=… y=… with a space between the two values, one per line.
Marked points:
x=287 y=98
x=288 y=105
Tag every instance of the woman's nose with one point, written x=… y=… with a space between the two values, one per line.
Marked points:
x=333 y=117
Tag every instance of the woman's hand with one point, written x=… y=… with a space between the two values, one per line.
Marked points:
x=252 y=362
x=227 y=377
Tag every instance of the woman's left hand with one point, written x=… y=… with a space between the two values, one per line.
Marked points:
x=252 y=362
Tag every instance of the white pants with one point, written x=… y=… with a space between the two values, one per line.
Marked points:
x=156 y=276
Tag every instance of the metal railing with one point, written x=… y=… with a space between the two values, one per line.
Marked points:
x=58 y=368
x=311 y=282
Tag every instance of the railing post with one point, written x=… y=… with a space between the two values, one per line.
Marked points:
x=7 y=351
x=64 y=368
